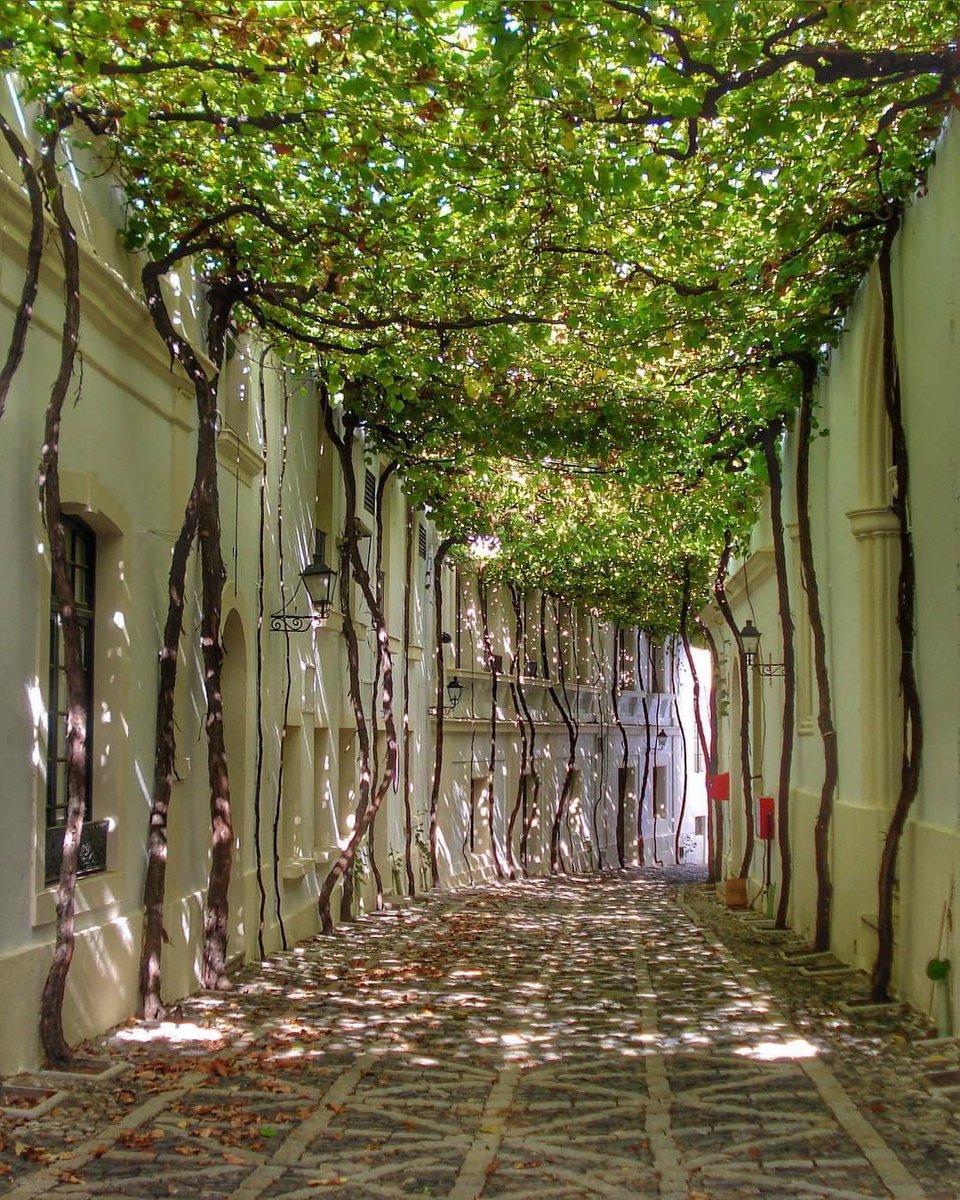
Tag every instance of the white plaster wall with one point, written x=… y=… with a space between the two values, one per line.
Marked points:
x=127 y=454
x=857 y=580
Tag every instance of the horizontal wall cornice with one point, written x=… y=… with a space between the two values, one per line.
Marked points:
x=107 y=302
x=757 y=569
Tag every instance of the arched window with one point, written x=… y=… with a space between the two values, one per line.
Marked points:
x=81 y=564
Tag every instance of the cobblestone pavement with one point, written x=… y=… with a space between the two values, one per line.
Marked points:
x=611 y=1036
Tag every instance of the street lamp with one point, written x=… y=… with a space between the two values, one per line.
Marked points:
x=454 y=692
x=750 y=637
x=661 y=740
x=318 y=578
x=750 y=640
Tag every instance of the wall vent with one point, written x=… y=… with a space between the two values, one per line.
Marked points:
x=369 y=491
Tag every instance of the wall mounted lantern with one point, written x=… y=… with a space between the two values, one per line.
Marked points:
x=750 y=638
x=455 y=694
x=318 y=578
x=661 y=740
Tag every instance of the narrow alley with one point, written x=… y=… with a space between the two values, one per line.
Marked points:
x=616 y=1036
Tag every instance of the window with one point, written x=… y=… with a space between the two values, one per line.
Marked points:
x=661 y=792
x=81 y=563
x=627 y=677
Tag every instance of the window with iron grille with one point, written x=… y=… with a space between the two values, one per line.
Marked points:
x=369 y=491
x=423 y=542
x=81 y=565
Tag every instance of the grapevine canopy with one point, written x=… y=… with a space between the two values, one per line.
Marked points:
x=562 y=259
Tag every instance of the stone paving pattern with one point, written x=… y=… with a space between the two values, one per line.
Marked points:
x=620 y=1035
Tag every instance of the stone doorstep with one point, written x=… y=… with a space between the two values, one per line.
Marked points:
x=803 y=956
x=46 y=1099
x=829 y=972
x=870 y=1008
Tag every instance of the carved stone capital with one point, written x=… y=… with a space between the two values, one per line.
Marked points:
x=873 y=523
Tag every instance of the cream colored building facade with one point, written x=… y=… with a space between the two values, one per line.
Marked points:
x=127 y=455
x=856 y=547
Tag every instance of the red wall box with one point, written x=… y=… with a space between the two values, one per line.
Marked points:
x=765 y=830
x=718 y=786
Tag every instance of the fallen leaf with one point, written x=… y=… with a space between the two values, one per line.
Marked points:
x=34 y=1154
x=139 y=1141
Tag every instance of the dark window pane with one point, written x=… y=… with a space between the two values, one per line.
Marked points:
x=92 y=855
x=80 y=546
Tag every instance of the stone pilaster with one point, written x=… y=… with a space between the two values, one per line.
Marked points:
x=877 y=533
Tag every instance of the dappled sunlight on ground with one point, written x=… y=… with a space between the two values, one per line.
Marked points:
x=565 y=1037
x=770 y=1051
x=171 y=1032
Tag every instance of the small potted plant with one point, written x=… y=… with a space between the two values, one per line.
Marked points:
x=397 y=871
x=423 y=849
